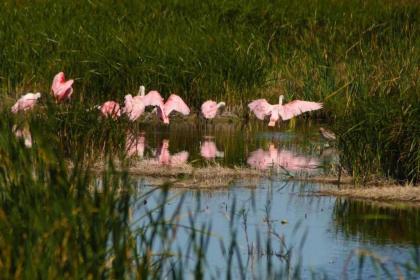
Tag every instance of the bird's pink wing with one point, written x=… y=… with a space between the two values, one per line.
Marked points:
x=261 y=108
x=175 y=103
x=297 y=107
x=58 y=79
x=137 y=108
x=64 y=90
x=153 y=98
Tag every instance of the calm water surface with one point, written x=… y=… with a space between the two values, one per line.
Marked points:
x=326 y=235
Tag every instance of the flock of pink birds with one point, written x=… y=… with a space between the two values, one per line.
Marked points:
x=134 y=106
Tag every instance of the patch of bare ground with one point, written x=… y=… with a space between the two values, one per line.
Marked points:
x=187 y=176
x=217 y=177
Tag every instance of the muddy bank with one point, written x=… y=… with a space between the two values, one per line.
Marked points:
x=216 y=177
x=386 y=193
x=187 y=176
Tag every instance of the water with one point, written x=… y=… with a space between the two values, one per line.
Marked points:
x=252 y=145
x=325 y=235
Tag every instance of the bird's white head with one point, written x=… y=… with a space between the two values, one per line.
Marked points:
x=281 y=100
x=142 y=91
x=37 y=95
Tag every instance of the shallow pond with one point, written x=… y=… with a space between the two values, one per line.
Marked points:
x=294 y=150
x=322 y=236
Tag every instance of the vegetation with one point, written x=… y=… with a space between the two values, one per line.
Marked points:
x=359 y=57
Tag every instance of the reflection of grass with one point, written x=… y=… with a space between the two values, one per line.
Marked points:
x=378 y=222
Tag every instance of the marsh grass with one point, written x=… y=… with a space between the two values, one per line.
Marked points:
x=58 y=222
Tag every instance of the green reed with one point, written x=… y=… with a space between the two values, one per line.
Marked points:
x=61 y=219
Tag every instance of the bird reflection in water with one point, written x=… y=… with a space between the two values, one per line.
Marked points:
x=135 y=145
x=281 y=158
x=208 y=149
x=164 y=157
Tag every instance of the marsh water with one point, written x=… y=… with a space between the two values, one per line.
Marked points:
x=278 y=223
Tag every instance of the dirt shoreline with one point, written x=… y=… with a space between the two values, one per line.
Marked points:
x=390 y=193
x=217 y=177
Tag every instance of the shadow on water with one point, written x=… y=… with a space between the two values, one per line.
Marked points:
x=376 y=222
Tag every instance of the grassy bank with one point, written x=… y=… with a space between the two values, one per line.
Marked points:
x=388 y=193
x=361 y=58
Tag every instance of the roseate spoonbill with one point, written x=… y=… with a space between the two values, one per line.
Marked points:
x=327 y=134
x=111 y=109
x=152 y=98
x=62 y=89
x=210 y=107
x=174 y=103
x=26 y=102
x=208 y=150
x=133 y=107
x=262 y=108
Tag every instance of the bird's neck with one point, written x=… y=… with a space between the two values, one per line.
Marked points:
x=141 y=91
x=281 y=100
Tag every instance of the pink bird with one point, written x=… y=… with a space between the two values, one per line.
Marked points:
x=111 y=109
x=134 y=106
x=26 y=102
x=62 y=89
x=262 y=108
x=174 y=103
x=210 y=107
x=152 y=98
x=208 y=150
